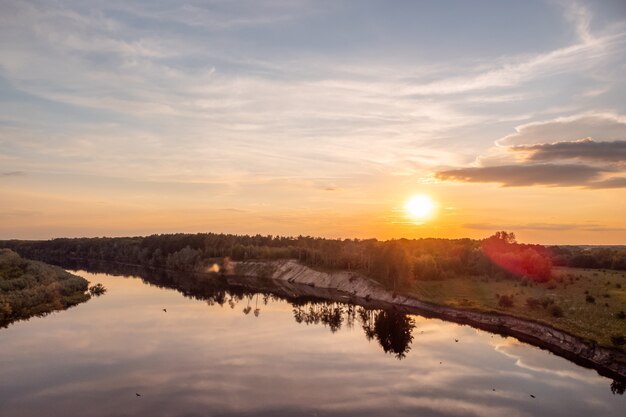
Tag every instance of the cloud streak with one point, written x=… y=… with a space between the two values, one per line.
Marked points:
x=599 y=126
x=552 y=153
x=584 y=150
x=565 y=175
x=615 y=182
x=557 y=227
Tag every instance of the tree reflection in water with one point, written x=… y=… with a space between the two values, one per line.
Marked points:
x=394 y=332
x=330 y=314
x=618 y=387
x=392 y=329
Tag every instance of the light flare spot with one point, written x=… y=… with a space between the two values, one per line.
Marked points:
x=420 y=207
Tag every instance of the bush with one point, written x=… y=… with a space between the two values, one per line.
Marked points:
x=590 y=299
x=556 y=311
x=97 y=290
x=532 y=303
x=546 y=302
x=506 y=301
x=621 y=315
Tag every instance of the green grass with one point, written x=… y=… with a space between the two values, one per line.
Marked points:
x=568 y=289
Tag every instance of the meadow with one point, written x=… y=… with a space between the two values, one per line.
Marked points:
x=588 y=303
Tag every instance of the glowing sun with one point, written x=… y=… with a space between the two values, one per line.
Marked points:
x=420 y=207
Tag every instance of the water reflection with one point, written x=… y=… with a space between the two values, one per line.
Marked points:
x=618 y=387
x=301 y=355
x=390 y=328
x=393 y=330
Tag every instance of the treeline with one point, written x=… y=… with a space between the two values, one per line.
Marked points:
x=590 y=257
x=394 y=263
x=29 y=288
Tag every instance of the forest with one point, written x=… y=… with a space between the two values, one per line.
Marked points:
x=590 y=257
x=394 y=263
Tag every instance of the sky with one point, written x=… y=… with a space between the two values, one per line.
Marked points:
x=313 y=117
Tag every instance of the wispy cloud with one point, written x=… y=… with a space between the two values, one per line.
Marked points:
x=598 y=126
x=544 y=227
x=581 y=18
x=584 y=150
x=567 y=175
x=12 y=174
x=615 y=182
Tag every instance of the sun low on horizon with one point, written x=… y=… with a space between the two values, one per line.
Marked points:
x=313 y=207
x=314 y=118
x=420 y=208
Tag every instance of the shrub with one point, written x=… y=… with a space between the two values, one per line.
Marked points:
x=556 y=311
x=532 y=303
x=590 y=299
x=546 y=301
x=621 y=315
x=97 y=289
x=506 y=301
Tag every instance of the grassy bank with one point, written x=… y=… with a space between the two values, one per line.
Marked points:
x=30 y=288
x=587 y=303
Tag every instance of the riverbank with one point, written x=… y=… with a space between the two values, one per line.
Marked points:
x=31 y=288
x=606 y=360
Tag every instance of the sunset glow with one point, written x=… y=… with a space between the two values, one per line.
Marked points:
x=420 y=207
x=299 y=118
x=285 y=175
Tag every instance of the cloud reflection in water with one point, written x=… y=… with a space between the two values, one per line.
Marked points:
x=203 y=357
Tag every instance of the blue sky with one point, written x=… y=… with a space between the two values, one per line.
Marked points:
x=257 y=116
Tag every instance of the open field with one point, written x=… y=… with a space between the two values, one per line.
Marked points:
x=585 y=303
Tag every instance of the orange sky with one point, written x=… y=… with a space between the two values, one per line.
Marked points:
x=42 y=209
x=314 y=118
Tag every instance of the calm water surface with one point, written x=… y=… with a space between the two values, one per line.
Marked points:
x=255 y=355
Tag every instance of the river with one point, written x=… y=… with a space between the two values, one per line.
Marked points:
x=163 y=347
